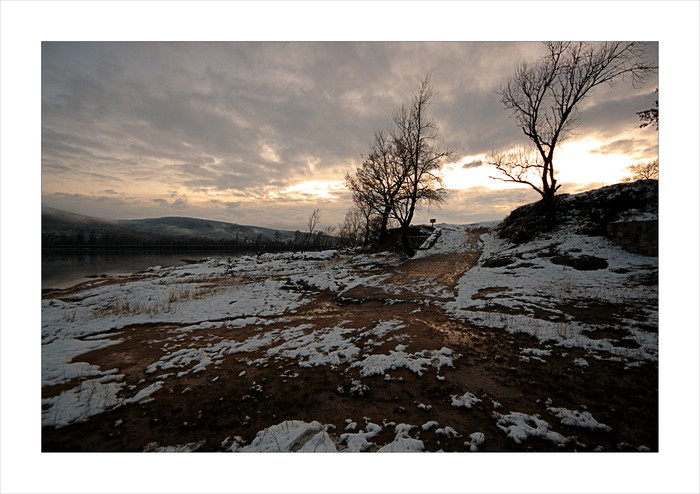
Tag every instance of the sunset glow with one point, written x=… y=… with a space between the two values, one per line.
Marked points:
x=313 y=189
x=264 y=132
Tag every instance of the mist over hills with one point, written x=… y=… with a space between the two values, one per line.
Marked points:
x=63 y=228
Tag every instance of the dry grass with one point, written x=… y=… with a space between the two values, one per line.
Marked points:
x=169 y=304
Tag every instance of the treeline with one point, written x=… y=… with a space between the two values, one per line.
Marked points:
x=96 y=239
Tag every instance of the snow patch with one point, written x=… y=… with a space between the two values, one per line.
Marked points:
x=520 y=426
x=574 y=418
x=467 y=400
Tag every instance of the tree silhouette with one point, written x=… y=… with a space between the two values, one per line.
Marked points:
x=646 y=170
x=402 y=168
x=650 y=116
x=544 y=100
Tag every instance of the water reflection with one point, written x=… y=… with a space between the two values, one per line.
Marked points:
x=65 y=268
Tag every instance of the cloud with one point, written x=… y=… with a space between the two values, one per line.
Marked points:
x=473 y=164
x=638 y=148
x=180 y=203
x=249 y=119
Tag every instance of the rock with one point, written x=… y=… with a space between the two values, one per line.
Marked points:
x=582 y=263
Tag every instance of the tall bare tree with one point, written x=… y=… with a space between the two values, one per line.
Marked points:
x=422 y=155
x=402 y=168
x=544 y=100
x=378 y=182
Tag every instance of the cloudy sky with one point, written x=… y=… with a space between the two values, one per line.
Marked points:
x=264 y=132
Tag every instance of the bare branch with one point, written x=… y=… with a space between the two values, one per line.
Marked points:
x=544 y=97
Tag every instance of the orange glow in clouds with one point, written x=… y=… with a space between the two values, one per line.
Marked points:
x=575 y=162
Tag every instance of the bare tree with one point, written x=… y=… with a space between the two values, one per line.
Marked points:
x=518 y=164
x=402 y=168
x=544 y=100
x=311 y=224
x=645 y=170
x=378 y=182
x=350 y=231
x=416 y=135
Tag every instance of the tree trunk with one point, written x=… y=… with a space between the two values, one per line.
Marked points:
x=405 y=243
x=383 y=234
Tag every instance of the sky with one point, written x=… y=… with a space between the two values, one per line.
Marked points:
x=262 y=133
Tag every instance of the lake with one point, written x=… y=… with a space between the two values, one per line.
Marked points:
x=65 y=268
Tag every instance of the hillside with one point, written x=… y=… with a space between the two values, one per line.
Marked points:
x=60 y=228
x=477 y=343
x=589 y=213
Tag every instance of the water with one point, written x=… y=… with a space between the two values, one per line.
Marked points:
x=65 y=268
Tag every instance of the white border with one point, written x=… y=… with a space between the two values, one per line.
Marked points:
x=26 y=24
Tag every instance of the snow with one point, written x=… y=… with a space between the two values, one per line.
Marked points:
x=320 y=443
x=290 y=435
x=537 y=291
x=403 y=443
x=476 y=439
x=467 y=400
x=398 y=358
x=520 y=426
x=359 y=441
x=154 y=447
x=89 y=398
x=575 y=418
x=145 y=392
x=447 y=432
x=450 y=238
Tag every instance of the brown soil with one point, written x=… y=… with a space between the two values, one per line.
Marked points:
x=237 y=399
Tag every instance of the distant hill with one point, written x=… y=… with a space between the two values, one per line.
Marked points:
x=63 y=228
x=193 y=227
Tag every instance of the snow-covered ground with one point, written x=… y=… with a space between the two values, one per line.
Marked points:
x=525 y=293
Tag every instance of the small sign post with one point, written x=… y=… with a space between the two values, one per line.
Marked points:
x=432 y=223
